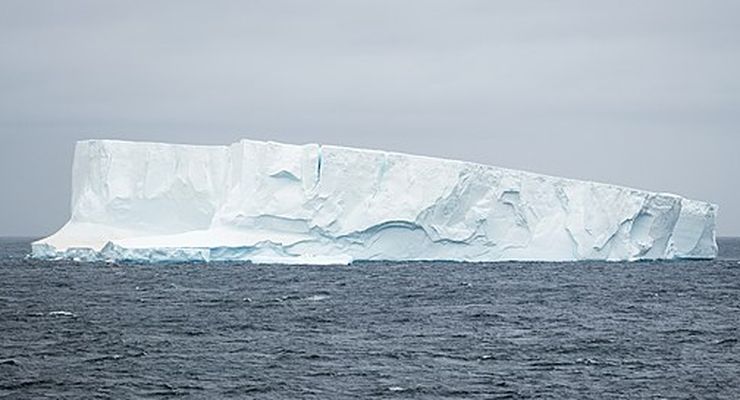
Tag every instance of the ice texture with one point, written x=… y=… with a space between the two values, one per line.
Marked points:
x=268 y=202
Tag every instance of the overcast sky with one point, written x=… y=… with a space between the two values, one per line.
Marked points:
x=639 y=93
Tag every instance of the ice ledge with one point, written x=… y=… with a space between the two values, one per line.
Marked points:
x=113 y=253
x=268 y=202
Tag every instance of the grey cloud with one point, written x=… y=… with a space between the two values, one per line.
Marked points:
x=632 y=92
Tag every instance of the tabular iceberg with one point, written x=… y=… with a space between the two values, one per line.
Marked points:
x=269 y=202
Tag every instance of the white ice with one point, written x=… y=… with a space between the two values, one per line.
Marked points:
x=268 y=202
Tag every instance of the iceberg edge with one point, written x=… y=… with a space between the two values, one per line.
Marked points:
x=268 y=202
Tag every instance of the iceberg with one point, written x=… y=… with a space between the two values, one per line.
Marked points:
x=267 y=202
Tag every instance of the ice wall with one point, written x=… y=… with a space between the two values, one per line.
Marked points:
x=317 y=204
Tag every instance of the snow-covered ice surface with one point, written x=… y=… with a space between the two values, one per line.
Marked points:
x=269 y=202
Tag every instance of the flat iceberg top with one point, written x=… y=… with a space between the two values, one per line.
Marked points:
x=319 y=204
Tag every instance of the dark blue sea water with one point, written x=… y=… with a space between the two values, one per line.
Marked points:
x=649 y=330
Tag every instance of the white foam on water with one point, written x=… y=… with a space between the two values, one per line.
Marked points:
x=62 y=313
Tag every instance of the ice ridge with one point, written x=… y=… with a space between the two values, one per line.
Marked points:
x=268 y=202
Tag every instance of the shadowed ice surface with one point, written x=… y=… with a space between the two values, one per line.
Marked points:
x=375 y=330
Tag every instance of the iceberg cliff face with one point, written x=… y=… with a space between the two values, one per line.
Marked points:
x=317 y=204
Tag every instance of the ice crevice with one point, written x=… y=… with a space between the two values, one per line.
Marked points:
x=321 y=204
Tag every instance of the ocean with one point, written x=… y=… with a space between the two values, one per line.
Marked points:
x=646 y=330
